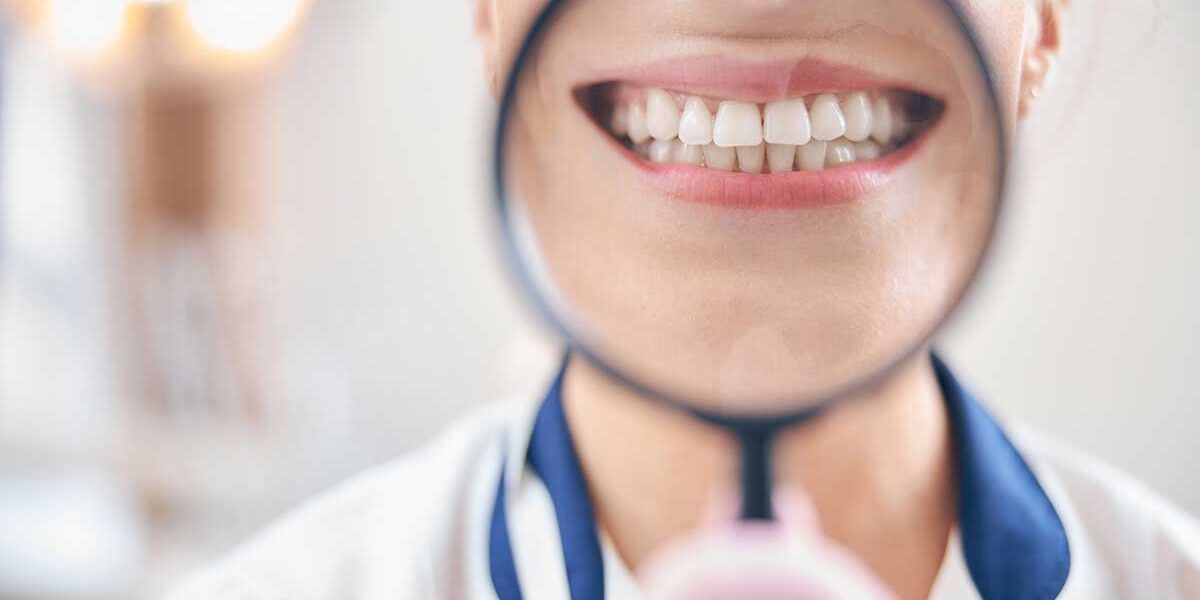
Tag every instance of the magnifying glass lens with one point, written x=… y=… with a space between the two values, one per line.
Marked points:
x=747 y=208
x=749 y=211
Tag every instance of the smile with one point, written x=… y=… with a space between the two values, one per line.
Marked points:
x=798 y=134
x=795 y=150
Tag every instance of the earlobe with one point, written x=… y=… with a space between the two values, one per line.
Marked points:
x=485 y=34
x=1042 y=47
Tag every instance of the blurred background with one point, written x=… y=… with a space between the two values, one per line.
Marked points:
x=245 y=252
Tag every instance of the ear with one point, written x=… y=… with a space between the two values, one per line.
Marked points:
x=1041 y=49
x=486 y=35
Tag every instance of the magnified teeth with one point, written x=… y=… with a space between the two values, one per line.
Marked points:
x=689 y=154
x=717 y=157
x=883 y=122
x=786 y=122
x=620 y=120
x=811 y=156
x=737 y=124
x=662 y=115
x=780 y=157
x=662 y=151
x=858 y=112
x=750 y=158
x=840 y=152
x=867 y=151
x=635 y=119
x=823 y=131
x=696 y=124
x=828 y=122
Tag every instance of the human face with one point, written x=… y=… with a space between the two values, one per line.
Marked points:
x=731 y=268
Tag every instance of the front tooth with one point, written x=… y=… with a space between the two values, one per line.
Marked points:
x=635 y=120
x=841 y=151
x=828 y=122
x=662 y=151
x=884 y=124
x=857 y=110
x=750 y=158
x=689 y=154
x=811 y=156
x=716 y=157
x=696 y=124
x=786 y=122
x=867 y=151
x=737 y=124
x=780 y=157
x=662 y=115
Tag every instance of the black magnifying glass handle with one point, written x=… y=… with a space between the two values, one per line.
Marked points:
x=757 y=474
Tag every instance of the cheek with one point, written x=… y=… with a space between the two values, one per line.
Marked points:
x=1000 y=27
x=513 y=19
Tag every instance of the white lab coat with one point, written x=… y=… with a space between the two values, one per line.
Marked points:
x=418 y=528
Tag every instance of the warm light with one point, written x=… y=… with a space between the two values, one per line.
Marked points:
x=241 y=25
x=86 y=25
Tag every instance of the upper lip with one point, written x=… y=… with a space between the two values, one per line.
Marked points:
x=761 y=82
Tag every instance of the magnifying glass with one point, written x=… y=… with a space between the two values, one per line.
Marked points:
x=749 y=211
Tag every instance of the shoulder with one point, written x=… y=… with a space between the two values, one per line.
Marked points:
x=1119 y=529
x=388 y=527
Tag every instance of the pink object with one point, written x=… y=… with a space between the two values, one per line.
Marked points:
x=718 y=76
x=764 y=560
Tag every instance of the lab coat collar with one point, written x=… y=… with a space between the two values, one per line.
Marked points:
x=1012 y=539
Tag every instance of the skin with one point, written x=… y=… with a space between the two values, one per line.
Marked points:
x=758 y=308
x=878 y=468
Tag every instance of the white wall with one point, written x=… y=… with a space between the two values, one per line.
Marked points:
x=395 y=303
x=1089 y=324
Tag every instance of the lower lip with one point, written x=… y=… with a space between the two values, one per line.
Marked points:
x=796 y=190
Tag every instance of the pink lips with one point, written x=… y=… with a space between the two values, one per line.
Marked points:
x=779 y=191
x=760 y=82
x=763 y=82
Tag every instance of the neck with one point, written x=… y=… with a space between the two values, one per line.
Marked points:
x=878 y=468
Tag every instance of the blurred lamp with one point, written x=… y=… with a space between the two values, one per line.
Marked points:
x=86 y=26
x=92 y=27
x=241 y=25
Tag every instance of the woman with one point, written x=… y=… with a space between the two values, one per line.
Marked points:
x=912 y=478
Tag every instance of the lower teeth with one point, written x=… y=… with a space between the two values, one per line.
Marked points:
x=764 y=158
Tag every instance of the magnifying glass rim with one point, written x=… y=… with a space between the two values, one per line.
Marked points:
x=761 y=422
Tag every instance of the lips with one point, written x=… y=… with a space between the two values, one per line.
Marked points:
x=761 y=136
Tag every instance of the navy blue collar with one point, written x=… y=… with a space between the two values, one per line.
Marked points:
x=1013 y=541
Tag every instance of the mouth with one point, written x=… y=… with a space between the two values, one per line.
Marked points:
x=729 y=136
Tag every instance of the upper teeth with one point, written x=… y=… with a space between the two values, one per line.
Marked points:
x=662 y=115
x=635 y=121
x=882 y=125
x=738 y=124
x=787 y=122
x=696 y=124
x=857 y=109
x=780 y=136
x=828 y=121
